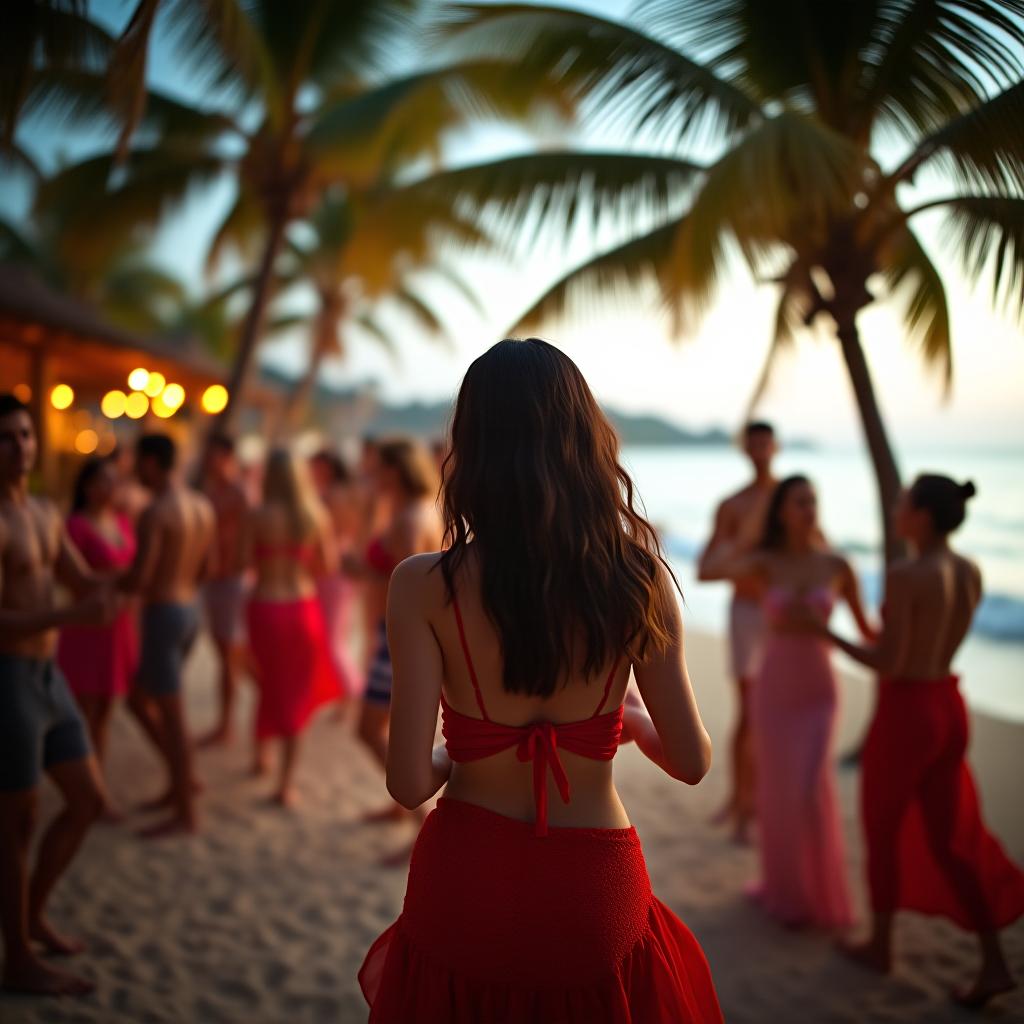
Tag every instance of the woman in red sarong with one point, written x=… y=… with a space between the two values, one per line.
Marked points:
x=927 y=845
x=287 y=541
x=528 y=897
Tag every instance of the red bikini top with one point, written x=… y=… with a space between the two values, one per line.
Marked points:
x=471 y=739
x=379 y=558
x=300 y=551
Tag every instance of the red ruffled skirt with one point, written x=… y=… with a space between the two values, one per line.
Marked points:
x=503 y=926
x=928 y=847
x=293 y=662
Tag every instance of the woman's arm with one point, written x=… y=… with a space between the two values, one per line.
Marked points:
x=886 y=656
x=849 y=588
x=415 y=771
x=730 y=560
x=680 y=744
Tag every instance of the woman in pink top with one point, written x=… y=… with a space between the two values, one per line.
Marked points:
x=99 y=661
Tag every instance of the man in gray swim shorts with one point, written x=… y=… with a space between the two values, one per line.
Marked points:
x=175 y=546
x=41 y=729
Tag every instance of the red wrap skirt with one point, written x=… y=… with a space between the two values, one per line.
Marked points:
x=928 y=847
x=296 y=673
x=503 y=926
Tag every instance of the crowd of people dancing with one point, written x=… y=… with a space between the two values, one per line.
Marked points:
x=527 y=601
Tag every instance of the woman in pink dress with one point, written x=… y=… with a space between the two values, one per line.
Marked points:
x=99 y=661
x=288 y=543
x=793 y=709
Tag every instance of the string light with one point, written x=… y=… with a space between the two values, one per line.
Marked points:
x=173 y=396
x=136 y=405
x=138 y=379
x=215 y=399
x=86 y=442
x=154 y=385
x=113 y=404
x=62 y=396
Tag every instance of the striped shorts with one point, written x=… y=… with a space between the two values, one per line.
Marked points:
x=378 y=681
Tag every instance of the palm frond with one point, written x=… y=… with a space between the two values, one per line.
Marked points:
x=988 y=230
x=97 y=214
x=624 y=73
x=360 y=136
x=453 y=278
x=241 y=230
x=909 y=271
x=413 y=305
x=366 y=321
x=54 y=34
x=802 y=54
x=615 y=276
x=931 y=60
x=791 y=316
x=559 y=190
x=984 y=147
x=783 y=185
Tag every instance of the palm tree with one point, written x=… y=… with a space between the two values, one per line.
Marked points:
x=796 y=97
x=362 y=257
x=301 y=105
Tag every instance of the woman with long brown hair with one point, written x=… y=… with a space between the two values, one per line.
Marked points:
x=528 y=897
x=287 y=541
x=406 y=484
x=794 y=701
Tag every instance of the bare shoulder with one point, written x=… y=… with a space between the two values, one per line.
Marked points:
x=202 y=505
x=969 y=569
x=420 y=573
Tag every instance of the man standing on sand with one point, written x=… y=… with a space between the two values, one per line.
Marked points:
x=224 y=592
x=175 y=554
x=41 y=728
x=739 y=519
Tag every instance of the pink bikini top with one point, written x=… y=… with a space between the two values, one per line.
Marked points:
x=777 y=600
x=379 y=558
x=472 y=739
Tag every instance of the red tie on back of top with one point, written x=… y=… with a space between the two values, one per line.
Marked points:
x=471 y=739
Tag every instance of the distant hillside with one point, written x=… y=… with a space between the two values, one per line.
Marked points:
x=430 y=420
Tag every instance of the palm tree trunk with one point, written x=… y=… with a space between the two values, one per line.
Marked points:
x=323 y=337
x=252 y=327
x=887 y=474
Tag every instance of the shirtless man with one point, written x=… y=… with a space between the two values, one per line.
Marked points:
x=224 y=593
x=40 y=725
x=740 y=519
x=175 y=553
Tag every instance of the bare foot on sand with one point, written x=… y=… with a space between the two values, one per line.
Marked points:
x=43 y=932
x=867 y=954
x=33 y=977
x=386 y=815
x=169 y=827
x=988 y=985
x=222 y=736
x=286 y=798
x=166 y=799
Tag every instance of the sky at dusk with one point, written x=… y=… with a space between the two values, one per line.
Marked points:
x=625 y=350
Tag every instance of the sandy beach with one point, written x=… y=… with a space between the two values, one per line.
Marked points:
x=265 y=917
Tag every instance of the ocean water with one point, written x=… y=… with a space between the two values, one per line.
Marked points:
x=680 y=488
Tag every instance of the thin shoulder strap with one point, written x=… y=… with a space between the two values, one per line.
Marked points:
x=469 y=659
x=607 y=687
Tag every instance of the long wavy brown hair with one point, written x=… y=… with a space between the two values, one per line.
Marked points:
x=532 y=481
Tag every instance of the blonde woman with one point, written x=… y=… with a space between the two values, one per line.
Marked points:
x=288 y=543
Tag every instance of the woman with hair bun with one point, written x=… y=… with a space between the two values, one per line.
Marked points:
x=928 y=848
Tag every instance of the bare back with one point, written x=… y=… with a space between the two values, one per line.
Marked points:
x=502 y=783
x=176 y=535
x=286 y=568
x=30 y=533
x=930 y=605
